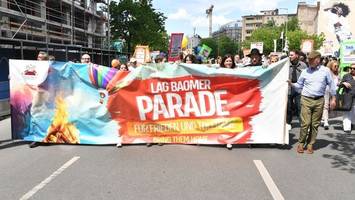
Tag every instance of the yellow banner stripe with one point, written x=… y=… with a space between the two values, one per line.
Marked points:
x=185 y=126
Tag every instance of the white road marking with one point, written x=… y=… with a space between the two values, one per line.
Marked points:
x=275 y=192
x=33 y=191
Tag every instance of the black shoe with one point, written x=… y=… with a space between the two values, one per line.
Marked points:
x=33 y=144
x=326 y=127
x=347 y=132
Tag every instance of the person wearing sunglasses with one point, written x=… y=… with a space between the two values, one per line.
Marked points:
x=312 y=83
x=349 y=82
x=333 y=65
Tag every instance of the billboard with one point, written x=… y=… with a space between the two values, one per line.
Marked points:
x=175 y=46
x=335 y=21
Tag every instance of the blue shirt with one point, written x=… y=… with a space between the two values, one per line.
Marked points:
x=313 y=82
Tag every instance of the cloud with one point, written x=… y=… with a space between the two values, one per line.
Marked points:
x=222 y=12
x=245 y=8
x=180 y=14
x=193 y=12
x=203 y=21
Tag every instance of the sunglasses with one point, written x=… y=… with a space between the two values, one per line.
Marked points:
x=352 y=68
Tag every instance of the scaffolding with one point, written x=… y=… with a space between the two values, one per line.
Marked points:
x=61 y=28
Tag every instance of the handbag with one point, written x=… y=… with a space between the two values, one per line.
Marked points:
x=344 y=99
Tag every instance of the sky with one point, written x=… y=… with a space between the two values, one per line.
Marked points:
x=185 y=15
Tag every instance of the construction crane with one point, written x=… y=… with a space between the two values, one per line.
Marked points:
x=209 y=15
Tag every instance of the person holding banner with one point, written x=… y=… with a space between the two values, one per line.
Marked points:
x=349 y=82
x=123 y=67
x=42 y=55
x=228 y=62
x=255 y=58
x=189 y=59
x=313 y=82
x=85 y=58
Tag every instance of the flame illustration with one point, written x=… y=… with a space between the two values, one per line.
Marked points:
x=62 y=131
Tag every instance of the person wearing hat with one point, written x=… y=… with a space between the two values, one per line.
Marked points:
x=255 y=58
x=312 y=83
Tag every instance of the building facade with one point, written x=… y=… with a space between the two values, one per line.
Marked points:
x=60 y=27
x=232 y=30
x=253 y=22
x=307 y=16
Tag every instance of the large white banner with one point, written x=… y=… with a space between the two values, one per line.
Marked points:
x=155 y=103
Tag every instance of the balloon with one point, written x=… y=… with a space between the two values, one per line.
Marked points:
x=100 y=76
x=115 y=63
x=184 y=42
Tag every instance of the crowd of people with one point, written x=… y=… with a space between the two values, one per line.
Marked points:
x=313 y=82
x=255 y=58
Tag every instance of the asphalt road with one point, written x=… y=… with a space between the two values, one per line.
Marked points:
x=178 y=171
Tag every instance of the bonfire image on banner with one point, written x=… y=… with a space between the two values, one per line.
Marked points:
x=62 y=131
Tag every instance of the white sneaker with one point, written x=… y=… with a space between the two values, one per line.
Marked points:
x=326 y=125
x=229 y=146
x=288 y=127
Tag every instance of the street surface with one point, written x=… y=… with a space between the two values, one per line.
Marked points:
x=179 y=171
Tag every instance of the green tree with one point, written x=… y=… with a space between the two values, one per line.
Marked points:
x=270 y=32
x=227 y=46
x=292 y=25
x=295 y=39
x=265 y=35
x=138 y=23
x=270 y=23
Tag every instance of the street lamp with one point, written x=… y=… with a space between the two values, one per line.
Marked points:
x=285 y=45
x=239 y=34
